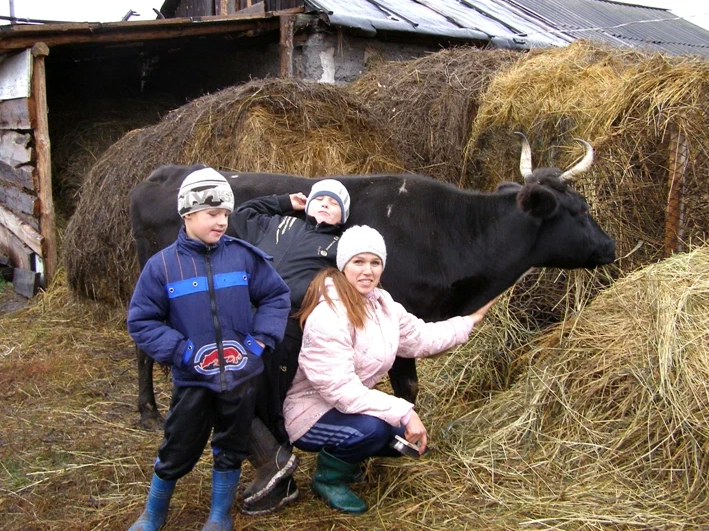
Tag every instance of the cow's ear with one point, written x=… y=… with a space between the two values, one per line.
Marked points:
x=508 y=186
x=537 y=201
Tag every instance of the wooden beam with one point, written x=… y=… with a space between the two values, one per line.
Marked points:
x=15 y=148
x=22 y=177
x=20 y=254
x=674 y=215
x=15 y=114
x=40 y=125
x=21 y=202
x=222 y=7
x=286 y=45
x=164 y=29
x=22 y=231
x=255 y=8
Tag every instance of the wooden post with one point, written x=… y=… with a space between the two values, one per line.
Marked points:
x=222 y=7
x=674 y=216
x=40 y=125
x=287 y=31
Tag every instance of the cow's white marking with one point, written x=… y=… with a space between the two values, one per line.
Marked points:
x=402 y=188
x=389 y=207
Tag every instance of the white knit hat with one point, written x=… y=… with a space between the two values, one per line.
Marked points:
x=334 y=189
x=360 y=239
x=203 y=189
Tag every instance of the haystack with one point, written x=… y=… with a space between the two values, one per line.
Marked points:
x=263 y=126
x=608 y=424
x=429 y=105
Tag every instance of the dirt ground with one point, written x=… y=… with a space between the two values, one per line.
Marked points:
x=11 y=300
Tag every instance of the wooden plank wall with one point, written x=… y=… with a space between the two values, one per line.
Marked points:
x=27 y=224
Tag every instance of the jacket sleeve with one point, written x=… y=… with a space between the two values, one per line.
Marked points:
x=270 y=297
x=251 y=219
x=327 y=361
x=148 y=313
x=419 y=339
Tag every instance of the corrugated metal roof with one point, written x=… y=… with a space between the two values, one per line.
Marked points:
x=621 y=24
x=442 y=18
x=523 y=23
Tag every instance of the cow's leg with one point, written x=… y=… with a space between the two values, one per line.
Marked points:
x=150 y=418
x=404 y=379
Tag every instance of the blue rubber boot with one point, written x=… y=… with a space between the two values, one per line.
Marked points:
x=223 y=491
x=157 y=505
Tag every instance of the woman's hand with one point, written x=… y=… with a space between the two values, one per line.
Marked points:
x=298 y=201
x=479 y=314
x=416 y=432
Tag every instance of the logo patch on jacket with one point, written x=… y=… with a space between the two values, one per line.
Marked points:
x=206 y=361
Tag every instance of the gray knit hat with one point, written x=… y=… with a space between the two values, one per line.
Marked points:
x=204 y=189
x=334 y=189
x=360 y=239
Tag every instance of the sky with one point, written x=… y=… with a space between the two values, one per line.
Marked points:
x=695 y=11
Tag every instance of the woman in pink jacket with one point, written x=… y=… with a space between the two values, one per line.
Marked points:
x=353 y=331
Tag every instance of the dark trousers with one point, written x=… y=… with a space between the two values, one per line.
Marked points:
x=350 y=438
x=280 y=367
x=194 y=413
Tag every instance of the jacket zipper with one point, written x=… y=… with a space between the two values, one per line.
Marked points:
x=215 y=319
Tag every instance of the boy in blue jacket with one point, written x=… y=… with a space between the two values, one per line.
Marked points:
x=208 y=306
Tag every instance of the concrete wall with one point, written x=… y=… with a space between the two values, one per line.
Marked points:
x=341 y=57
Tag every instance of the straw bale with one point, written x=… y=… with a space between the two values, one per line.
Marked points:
x=608 y=423
x=429 y=105
x=279 y=126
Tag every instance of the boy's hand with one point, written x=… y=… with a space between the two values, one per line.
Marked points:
x=261 y=343
x=298 y=201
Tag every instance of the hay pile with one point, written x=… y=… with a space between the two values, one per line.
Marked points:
x=606 y=425
x=271 y=126
x=429 y=105
x=628 y=105
x=609 y=423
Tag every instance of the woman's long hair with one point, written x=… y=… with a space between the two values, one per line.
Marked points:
x=354 y=303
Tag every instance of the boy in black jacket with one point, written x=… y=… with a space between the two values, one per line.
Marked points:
x=209 y=306
x=300 y=249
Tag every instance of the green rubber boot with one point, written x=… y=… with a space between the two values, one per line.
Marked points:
x=330 y=483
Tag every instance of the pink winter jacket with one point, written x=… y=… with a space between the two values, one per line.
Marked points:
x=339 y=366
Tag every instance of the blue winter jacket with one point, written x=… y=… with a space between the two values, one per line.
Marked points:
x=200 y=308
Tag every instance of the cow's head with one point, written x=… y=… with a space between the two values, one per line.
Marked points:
x=568 y=237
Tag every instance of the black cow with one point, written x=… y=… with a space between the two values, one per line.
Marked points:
x=449 y=250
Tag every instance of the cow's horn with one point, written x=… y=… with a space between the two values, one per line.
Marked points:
x=525 y=161
x=585 y=163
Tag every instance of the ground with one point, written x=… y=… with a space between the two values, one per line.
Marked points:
x=10 y=300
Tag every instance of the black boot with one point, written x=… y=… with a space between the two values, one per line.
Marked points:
x=272 y=462
x=284 y=493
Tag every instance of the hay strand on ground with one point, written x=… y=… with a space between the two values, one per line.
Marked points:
x=605 y=424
